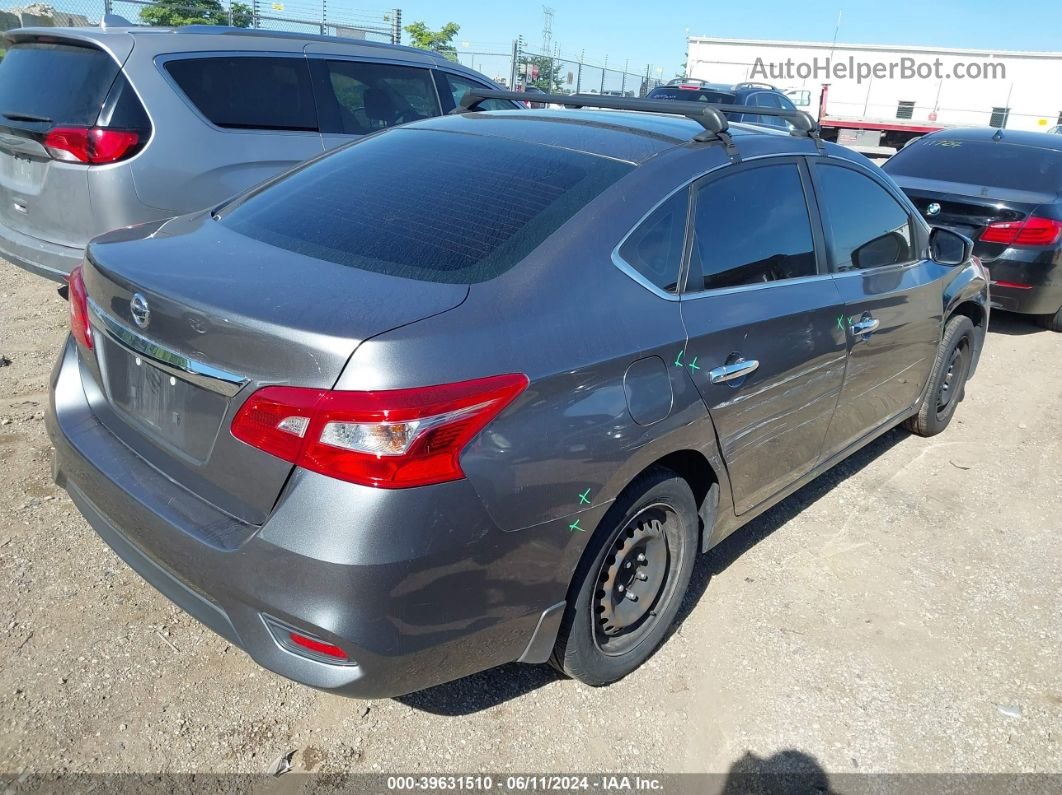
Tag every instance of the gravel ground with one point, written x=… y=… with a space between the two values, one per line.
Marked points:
x=901 y=614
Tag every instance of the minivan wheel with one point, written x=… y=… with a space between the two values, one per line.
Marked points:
x=947 y=383
x=1052 y=322
x=629 y=586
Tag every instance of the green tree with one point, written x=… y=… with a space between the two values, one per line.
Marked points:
x=441 y=41
x=550 y=72
x=174 y=13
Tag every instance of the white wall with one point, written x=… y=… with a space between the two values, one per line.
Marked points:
x=1032 y=86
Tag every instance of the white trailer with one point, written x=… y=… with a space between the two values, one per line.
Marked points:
x=884 y=95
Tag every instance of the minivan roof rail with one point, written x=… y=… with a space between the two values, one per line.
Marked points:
x=708 y=114
x=229 y=30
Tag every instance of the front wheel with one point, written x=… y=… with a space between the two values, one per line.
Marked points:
x=630 y=583
x=947 y=382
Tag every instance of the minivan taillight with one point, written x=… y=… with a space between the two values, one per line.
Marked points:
x=390 y=438
x=1033 y=231
x=79 y=318
x=92 y=145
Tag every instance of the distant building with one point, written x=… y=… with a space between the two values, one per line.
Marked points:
x=927 y=86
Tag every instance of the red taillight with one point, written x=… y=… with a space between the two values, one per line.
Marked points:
x=391 y=439
x=78 y=299
x=319 y=646
x=1033 y=231
x=92 y=145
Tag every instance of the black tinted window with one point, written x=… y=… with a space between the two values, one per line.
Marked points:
x=426 y=205
x=372 y=96
x=985 y=163
x=459 y=86
x=249 y=93
x=752 y=227
x=54 y=83
x=654 y=249
x=866 y=226
x=691 y=95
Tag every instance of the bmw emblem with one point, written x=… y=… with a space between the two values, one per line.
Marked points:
x=140 y=310
x=933 y=209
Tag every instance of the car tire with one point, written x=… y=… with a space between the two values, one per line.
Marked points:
x=1052 y=322
x=947 y=383
x=630 y=583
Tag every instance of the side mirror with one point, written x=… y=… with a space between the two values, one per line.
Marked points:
x=949 y=248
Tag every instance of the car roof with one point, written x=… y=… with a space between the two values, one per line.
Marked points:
x=988 y=134
x=183 y=39
x=631 y=136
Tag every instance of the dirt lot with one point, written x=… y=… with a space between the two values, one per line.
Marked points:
x=902 y=613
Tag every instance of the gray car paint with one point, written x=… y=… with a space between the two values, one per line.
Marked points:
x=188 y=164
x=427 y=584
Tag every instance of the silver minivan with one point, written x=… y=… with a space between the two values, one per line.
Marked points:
x=105 y=128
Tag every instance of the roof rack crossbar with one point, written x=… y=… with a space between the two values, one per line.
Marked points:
x=709 y=115
x=704 y=113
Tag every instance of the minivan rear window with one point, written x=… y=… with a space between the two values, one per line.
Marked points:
x=985 y=163
x=426 y=204
x=57 y=83
x=249 y=93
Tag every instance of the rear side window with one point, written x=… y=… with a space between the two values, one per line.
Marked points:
x=985 y=163
x=426 y=204
x=57 y=83
x=373 y=96
x=866 y=226
x=752 y=227
x=249 y=93
x=654 y=249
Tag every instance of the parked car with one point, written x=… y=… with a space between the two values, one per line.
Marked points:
x=1003 y=189
x=752 y=94
x=101 y=129
x=479 y=388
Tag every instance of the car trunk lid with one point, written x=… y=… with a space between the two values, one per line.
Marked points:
x=968 y=210
x=187 y=324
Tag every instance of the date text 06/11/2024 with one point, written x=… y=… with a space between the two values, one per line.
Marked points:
x=524 y=783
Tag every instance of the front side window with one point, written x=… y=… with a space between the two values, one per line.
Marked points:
x=751 y=228
x=866 y=226
x=374 y=96
x=654 y=249
x=248 y=93
x=459 y=86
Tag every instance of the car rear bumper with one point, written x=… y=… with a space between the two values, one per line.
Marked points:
x=1032 y=287
x=413 y=603
x=51 y=260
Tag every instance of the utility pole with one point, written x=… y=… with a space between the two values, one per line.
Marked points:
x=547 y=29
x=623 y=80
x=324 y=16
x=516 y=65
x=579 y=73
x=603 y=70
x=396 y=26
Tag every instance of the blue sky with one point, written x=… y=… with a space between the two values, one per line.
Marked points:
x=654 y=33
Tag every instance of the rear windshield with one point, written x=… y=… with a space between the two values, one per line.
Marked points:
x=58 y=83
x=426 y=205
x=691 y=95
x=986 y=163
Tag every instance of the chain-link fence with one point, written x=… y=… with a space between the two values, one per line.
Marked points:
x=301 y=16
x=515 y=66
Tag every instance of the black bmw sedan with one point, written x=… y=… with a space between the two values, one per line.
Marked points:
x=1002 y=189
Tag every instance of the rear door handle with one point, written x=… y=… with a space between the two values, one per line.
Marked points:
x=732 y=371
x=865 y=326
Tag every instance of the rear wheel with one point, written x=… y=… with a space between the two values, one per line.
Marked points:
x=630 y=583
x=1052 y=322
x=947 y=382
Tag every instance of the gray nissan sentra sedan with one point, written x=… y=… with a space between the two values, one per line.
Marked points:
x=479 y=389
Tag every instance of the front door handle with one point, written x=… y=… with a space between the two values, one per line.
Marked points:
x=732 y=371
x=865 y=326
